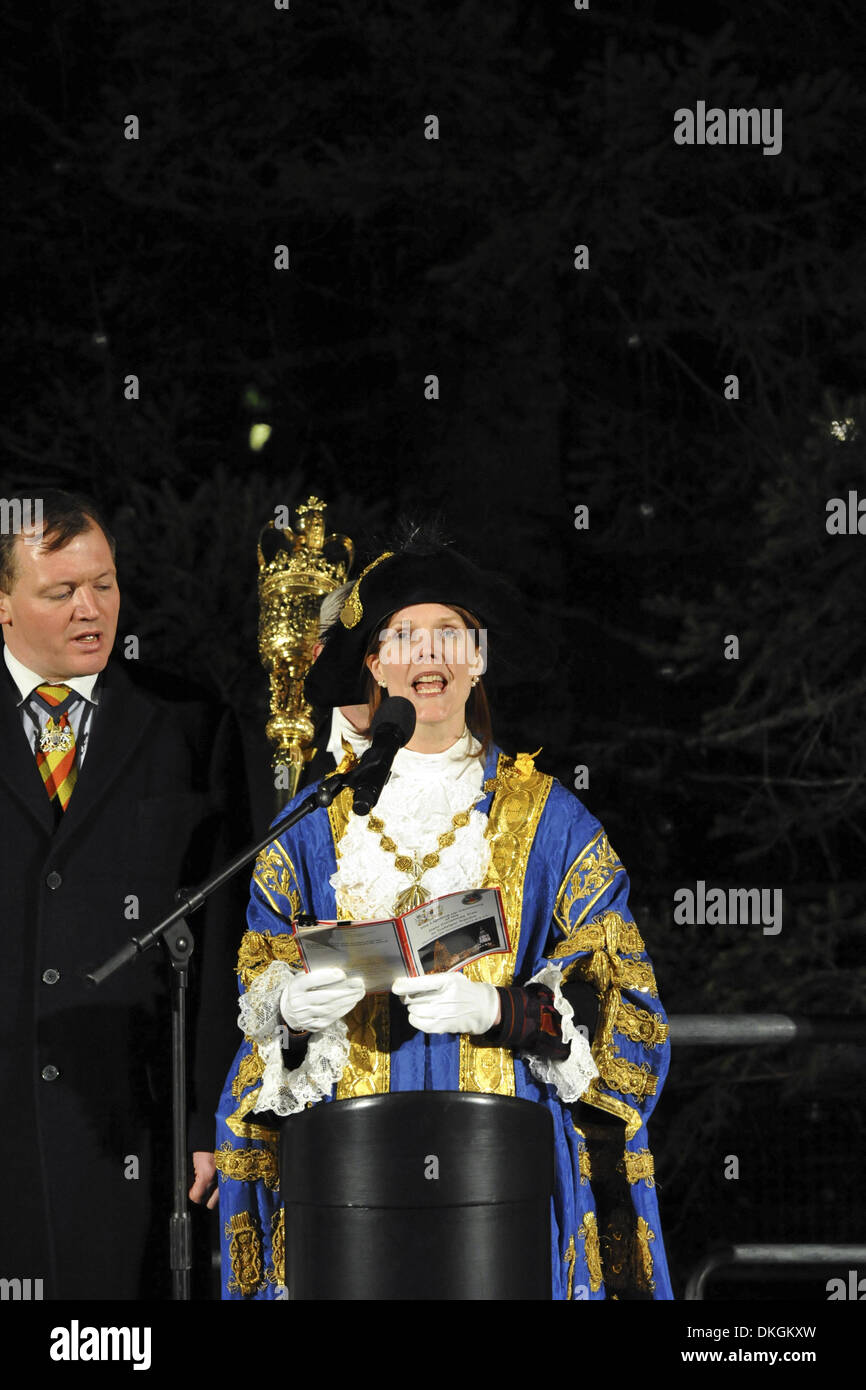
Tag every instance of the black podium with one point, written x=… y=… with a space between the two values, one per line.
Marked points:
x=418 y=1195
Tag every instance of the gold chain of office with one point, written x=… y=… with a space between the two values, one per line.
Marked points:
x=416 y=893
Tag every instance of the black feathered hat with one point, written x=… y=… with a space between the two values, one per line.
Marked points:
x=422 y=570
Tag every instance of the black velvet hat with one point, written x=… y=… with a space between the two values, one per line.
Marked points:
x=423 y=570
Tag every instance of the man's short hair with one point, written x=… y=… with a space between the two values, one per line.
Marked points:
x=64 y=515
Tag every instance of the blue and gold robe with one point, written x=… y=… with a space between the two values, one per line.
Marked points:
x=565 y=894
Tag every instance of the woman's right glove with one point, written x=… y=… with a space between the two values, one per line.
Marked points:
x=313 y=1001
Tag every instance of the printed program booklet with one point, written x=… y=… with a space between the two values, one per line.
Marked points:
x=443 y=934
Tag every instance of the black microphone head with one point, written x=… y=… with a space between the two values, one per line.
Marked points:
x=397 y=713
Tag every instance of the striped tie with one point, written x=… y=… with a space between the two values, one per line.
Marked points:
x=55 y=756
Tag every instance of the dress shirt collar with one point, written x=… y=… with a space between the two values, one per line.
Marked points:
x=340 y=727
x=27 y=680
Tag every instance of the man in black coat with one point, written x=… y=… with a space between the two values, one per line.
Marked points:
x=115 y=790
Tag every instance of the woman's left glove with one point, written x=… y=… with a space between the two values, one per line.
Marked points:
x=449 y=1003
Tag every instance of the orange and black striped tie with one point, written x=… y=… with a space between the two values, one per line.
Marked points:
x=55 y=756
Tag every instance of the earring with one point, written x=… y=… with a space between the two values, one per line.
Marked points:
x=383 y=685
x=474 y=681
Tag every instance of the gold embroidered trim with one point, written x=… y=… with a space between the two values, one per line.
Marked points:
x=245 y=1253
x=639 y=1025
x=590 y=875
x=588 y=1233
x=276 y=874
x=631 y=1078
x=250 y=1069
x=637 y=974
x=368 y=1069
x=244 y=1131
x=603 y=972
x=277 y=1269
x=594 y=1096
x=258 y=949
x=638 y=1167
x=249 y=1165
x=583 y=1163
x=352 y=610
x=607 y=932
x=569 y=1257
x=643 y=1255
x=338 y=814
x=237 y=1125
x=515 y=812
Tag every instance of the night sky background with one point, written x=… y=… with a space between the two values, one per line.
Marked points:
x=558 y=387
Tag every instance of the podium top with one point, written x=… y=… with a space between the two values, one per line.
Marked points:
x=418 y=1148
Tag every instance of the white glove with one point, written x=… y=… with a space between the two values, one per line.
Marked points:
x=314 y=1001
x=449 y=1003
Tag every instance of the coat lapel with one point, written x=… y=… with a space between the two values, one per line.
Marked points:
x=18 y=768
x=120 y=726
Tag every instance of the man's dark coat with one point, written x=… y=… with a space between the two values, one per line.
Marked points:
x=160 y=798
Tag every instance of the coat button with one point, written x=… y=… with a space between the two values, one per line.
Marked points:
x=50 y=1073
x=50 y=976
x=54 y=879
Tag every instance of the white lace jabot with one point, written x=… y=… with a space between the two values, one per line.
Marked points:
x=423 y=793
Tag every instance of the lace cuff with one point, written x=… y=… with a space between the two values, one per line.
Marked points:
x=283 y=1091
x=570 y=1076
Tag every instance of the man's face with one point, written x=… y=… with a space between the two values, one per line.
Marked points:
x=60 y=618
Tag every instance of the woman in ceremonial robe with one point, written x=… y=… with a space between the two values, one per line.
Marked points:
x=569 y=1018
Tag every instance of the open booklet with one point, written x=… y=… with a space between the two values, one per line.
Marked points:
x=443 y=934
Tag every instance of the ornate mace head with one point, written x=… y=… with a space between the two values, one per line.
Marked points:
x=297 y=568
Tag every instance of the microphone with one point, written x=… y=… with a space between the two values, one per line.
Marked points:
x=393 y=725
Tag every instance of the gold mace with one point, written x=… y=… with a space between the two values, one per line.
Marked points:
x=297 y=569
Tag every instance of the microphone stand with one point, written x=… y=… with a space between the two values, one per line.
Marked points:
x=174 y=931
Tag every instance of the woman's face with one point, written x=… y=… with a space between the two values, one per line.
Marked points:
x=429 y=656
